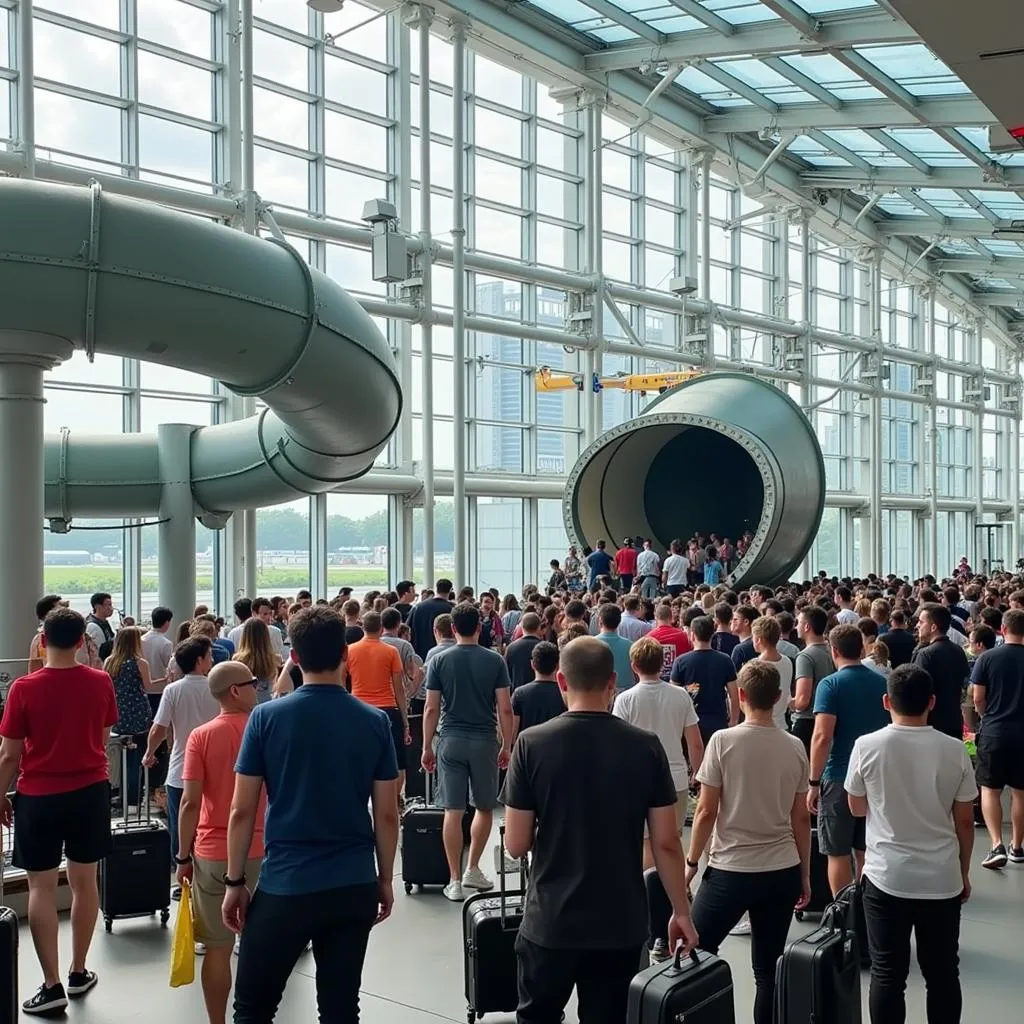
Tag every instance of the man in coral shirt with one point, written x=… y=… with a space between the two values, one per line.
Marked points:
x=55 y=730
x=674 y=641
x=209 y=784
x=625 y=565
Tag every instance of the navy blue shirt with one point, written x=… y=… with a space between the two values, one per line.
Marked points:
x=706 y=676
x=319 y=751
x=854 y=695
x=600 y=564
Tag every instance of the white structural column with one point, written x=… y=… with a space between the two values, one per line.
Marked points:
x=425 y=16
x=980 y=541
x=875 y=421
x=26 y=89
x=318 y=545
x=595 y=171
x=248 y=161
x=933 y=447
x=176 y=532
x=460 y=505
x=1013 y=429
x=23 y=358
x=806 y=297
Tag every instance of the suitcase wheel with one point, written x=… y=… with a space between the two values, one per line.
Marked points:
x=408 y=888
x=165 y=916
x=799 y=915
x=108 y=924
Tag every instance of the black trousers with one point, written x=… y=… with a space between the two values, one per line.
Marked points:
x=936 y=927
x=547 y=977
x=769 y=897
x=803 y=730
x=626 y=582
x=277 y=930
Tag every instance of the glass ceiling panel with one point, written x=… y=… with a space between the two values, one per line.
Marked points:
x=830 y=6
x=928 y=146
x=898 y=206
x=708 y=89
x=1006 y=205
x=1002 y=247
x=914 y=67
x=612 y=34
x=570 y=11
x=956 y=247
x=739 y=12
x=824 y=69
x=815 y=153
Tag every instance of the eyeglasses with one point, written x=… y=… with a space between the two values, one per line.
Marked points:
x=249 y=682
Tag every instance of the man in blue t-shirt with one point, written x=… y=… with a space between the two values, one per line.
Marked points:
x=599 y=563
x=323 y=755
x=710 y=679
x=609 y=618
x=847 y=705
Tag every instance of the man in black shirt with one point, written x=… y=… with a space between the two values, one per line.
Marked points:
x=406 y=591
x=744 y=651
x=899 y=640
x=998 y=692
x=947 y=664
x=585 y=919
x=541 y=700
x=518 y=657
x=421 y=619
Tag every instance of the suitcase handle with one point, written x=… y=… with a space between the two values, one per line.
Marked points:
x=678 y=965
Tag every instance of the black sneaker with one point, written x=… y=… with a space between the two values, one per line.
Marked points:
x=176 y=892
x=48 y=999
x=996 y=857
x=1016 y=854
x=79 y=982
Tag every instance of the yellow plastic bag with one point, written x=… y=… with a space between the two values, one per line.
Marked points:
x=183 y=950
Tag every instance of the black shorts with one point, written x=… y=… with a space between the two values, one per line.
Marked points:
x=1000 y=763
x=76 y=824
x=397 y=735
x=839 y=832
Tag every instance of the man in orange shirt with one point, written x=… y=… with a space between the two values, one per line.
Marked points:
x=209 y=784
x=376 y=677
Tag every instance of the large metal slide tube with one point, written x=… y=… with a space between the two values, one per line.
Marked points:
x=722 y=453
x=137 y=280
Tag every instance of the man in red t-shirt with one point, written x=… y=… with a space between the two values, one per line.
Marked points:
x=55 y=730
x=209 y=778
x=674 y=641
x=625 y=565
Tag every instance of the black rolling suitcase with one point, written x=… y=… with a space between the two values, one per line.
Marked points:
x=135 y=877
x=489 y=928
x=821 y=891
x=423 y=857
x=818 y=976
x=696 y=989
x=9 y=1009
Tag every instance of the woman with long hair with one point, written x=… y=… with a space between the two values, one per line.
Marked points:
x=129 y=671
x=257 y=655
x=510 y=614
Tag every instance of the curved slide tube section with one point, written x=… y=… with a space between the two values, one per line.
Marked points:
x=722 y=453
x=133 y=279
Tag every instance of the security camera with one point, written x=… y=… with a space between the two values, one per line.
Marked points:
x=821 y=196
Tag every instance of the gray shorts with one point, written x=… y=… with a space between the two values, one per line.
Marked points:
x=839 y=832
x=467 y=766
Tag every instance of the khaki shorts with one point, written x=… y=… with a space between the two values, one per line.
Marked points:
x=208 y=895
x=681 y=804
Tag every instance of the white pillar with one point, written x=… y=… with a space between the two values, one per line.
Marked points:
x=26 y=89
x=176 y=532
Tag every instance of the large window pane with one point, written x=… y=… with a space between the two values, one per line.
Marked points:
x=175 y=86
x=357 y=543
x=75 y=58
x=78 y=564
x=499 y=544
x=282 y=548
x=77 y=126
x=175 y=24
x=175 y=148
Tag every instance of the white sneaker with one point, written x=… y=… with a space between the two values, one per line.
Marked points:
x=503 y=861
x=200 y=949
x=474 y=878
x=453 y=891
x=238 y=944
x=742 y=927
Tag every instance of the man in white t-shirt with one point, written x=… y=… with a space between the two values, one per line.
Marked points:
x=916 y=786
x=667 y=711
x=648 y=571
x=184 y=705
x=673 y=572
x=766 y=634
x=846 y=614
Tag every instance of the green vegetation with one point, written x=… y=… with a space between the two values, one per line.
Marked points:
x=66 y=580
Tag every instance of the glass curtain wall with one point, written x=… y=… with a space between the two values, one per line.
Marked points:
x=135 y=88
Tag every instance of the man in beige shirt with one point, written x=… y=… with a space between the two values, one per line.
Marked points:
x=753 y=809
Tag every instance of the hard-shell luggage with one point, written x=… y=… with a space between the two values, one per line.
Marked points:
x=821 y=891
x=8 y=954
x=135 y=876
x=818 y=976
x=489 y=928
x=423 y=857
x=696 y=989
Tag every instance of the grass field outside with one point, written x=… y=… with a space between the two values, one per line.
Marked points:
x=69 y=580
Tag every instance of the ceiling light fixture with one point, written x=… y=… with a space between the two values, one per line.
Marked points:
x=326 y=6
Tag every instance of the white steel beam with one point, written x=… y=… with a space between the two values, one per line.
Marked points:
x=938 y=219
x=730 y=81
x=976 y=204
x=947 y=112
x=906 y=155
x=627 y=21
x=805 y=82
x=695 y=9
x=794 y=15
x=954 y=227
x=1004 y=300
x=1005 y=267
x=968 y=149
x=760 y=38
x=901 y=177
x=840 y=150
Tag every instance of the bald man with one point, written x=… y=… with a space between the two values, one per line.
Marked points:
x=209 y=782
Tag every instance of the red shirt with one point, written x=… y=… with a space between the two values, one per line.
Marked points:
x=671 y=636
x=61 y=714
x=625 y=561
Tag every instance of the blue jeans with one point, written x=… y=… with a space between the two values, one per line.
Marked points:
x=174 y=794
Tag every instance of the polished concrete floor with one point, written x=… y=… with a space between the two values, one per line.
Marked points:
x=413 y=972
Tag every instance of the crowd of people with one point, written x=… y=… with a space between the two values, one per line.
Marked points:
x=870 y=710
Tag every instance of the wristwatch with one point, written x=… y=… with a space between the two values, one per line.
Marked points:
x=233 y=883
x=814 y=782
x=183 y=860
x=693 y=863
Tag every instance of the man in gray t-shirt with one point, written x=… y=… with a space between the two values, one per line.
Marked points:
x=468 y=704
x=813 y=663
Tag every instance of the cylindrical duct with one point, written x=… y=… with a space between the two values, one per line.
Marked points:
x=724 y=453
